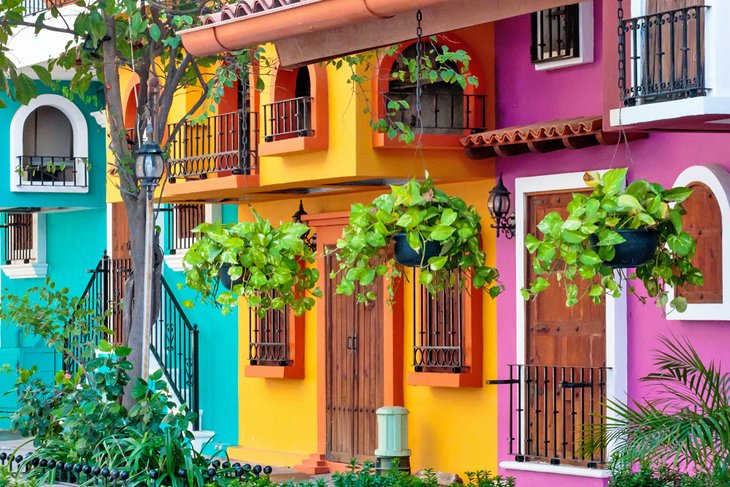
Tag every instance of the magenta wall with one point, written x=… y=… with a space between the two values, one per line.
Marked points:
x=525 y=96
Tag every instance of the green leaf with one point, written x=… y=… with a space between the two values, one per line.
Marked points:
x=441 y=232
x=43 y=74
x=437 y=263
x=574 y=237
x=448 y=217
x=679 y=303
x=628 y=201
x=613 y=180
x=678 y=194
x=531 y=243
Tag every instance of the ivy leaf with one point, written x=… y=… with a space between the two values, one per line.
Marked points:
x=678 y=195
x=442 y=232
x=613 y=181
x=679 y=303
x=628 y=201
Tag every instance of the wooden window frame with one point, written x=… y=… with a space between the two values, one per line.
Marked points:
x=472 y=344
x=717 y=179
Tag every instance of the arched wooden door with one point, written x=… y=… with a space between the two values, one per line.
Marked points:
x=354 y=381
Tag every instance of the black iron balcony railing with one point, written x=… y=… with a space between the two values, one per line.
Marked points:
x=180 y=223
x=552 y=411
x=663 y=56
x=288 y=118
x=132 y=141
x=441 y=112
x=225 y=143
x=18 y=237
x=268 y=338
x=52 y=171
x=33 y=7
x=439 y=334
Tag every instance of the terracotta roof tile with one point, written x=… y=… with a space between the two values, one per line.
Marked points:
x=244 y=8
x=538 y=131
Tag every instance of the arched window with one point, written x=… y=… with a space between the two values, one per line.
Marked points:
x=708 y=212
x=49 y=146
x=291 y=113
x=446 y=108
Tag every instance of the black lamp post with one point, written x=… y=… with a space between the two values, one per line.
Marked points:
x=499 y=206
x=309 y=238
x=148 y=169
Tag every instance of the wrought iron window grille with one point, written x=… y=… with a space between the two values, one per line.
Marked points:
x=556 y=34
x=268 y=338
x=18 y=237
x=288 y=118
x=33 y=7
x=440 y=112
x=35 y=170
x=181 y=220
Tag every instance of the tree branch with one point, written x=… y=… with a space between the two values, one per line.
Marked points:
x=199 y=102
x=23 y=23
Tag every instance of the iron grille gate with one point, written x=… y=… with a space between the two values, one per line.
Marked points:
x=174 y=340
x=556 y=33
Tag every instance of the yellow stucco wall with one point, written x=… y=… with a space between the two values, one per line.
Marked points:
x=449 y=429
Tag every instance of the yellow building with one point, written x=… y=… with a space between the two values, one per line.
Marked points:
x=308 y=386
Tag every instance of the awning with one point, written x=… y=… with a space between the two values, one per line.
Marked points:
x=306 y=31
x=576 y=133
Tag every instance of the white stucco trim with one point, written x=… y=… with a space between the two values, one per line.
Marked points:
x=536 y=467
x=585 y=41
x=616 y=311
x=175 y=261
x=80 y=141
x=37 y=268
x=718 y=180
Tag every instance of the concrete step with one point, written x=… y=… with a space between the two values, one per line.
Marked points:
x=314 y=465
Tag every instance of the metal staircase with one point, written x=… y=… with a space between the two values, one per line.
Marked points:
x=174 y=340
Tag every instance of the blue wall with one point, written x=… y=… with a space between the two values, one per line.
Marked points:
x=96 y=195
x=218 y=357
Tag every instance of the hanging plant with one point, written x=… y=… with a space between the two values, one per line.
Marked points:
x=439 y=232
x=264 y=264
x=614 y=228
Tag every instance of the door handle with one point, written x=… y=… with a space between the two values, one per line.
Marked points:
x=351 y=342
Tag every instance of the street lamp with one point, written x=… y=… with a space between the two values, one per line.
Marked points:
x=499 y=205
x=148 y=169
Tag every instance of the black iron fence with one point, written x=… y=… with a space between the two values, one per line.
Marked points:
x=445 y=112
x=439 y=335
x=268 y=338
x=174 y=344
x=53 y=471
x=224 y=143
x=663 y=56
x=179 y=225
x=33 y=7
x=288 y=118
x=52 y=171
x=174 y=341
x=18 y=237
x=552 y=410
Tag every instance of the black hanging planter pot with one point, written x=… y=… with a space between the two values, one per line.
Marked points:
x=638 y=248
x=405 y=255
x=226 y=279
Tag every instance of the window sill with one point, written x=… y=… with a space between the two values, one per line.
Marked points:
x=175 y=261
x=561 y=63
x=25 y=271
x=49 y=189
x=593 y=473
x=292 y=145
x=428 y=141
x=274 y=372
x=444 y=379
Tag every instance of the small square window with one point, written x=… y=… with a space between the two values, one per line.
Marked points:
x=18 y=232
x=562 y=36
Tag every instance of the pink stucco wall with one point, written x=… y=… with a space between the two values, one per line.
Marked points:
x=525 y=96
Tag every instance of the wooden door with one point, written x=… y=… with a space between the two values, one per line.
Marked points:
x=564 y=346
x=354 y=382
x=120 y=268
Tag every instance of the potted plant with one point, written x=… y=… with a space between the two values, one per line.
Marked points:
x=639 y=227
x=262 y=263
x=425 y=228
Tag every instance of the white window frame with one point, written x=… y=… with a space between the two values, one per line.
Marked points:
x=585 y=40
x=718 y=180
x=37 y=267
x=175 y=261
x=80 y=142
x=616 y=315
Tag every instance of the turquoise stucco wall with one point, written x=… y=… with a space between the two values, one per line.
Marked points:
x=96 y=195
x=75 y=241
x=218 y=357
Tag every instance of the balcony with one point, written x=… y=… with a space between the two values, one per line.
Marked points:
x=671 y=71
x=223 y=145
x=551 y=409
x=442 y=113
x=33 y=7
x=288 y=118
x=51 y=171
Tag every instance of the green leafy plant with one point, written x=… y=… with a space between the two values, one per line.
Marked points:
x=484 y=478
x=267 y=264
x=577 y=249
x=685 y=426
x=425 y=214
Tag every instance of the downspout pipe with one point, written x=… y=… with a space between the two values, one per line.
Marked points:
x=226 y=31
